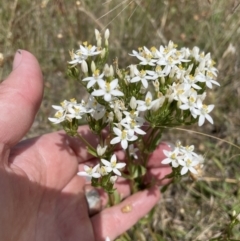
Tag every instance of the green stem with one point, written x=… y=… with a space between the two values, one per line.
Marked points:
x=85 y=141
x=111 y=199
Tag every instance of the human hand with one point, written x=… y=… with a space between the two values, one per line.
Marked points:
x=41 y=197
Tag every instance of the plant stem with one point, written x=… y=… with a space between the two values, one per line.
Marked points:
x=85 y=141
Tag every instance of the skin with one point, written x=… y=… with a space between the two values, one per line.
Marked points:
x=42 y=198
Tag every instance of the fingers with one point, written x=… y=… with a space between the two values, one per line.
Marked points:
x=20 y=97
x=157 y=156
x=116 y=220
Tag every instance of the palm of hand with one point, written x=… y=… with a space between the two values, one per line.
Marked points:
x=42 y=180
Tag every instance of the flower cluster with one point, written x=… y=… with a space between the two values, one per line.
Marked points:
x=107 y=167
x=185 y=159
x=166 y=88
x=69 y=110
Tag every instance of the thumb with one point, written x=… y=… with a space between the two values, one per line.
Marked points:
x=20 y=98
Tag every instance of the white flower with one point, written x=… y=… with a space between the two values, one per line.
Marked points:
x=158 y=73
x=203 y=111
x=191 y=80
x=67 y=111
x=107 y=239
x=88 y=50
x=98 y=109
x=113 y=165
x=123 y=137
x=146 y=57
x=77 y=58
x=141 y=76
x=148 y=103
x=188 y=164
x=77 y=111
x=133 y=126
x=173 y=157
x=180 y=92
x=94 y=79
x=208 y=79
x=107 y=90
x=190 y=104
x=169 y=62
x=59 y=117
x=90 y=172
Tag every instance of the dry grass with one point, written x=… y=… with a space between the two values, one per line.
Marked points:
x=187 y=211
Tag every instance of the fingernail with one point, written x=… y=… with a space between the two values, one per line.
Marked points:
x=17 y=59
x=93 y=200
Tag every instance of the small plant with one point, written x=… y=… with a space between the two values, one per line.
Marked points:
x=131 y=106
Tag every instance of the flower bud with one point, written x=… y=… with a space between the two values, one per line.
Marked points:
x=133 y=103
x=98 y=38
x=162 y=80
x=111 y=71
x=113 y=179
x=101 y=150
x=103 y=53
x=132 y=68
x=156 y=85
x=84 y=67
x=93 y=66
x=118 y=115
x=107 y=34
x=110 y=116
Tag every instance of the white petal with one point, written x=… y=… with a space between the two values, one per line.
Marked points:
x=96 y=175
x=91 y=83
x=184 y=170
x=116 y=171
x=107 y=97
x=102 y=84
x=209 y=118
x=83 y=174
x=210 y=108
x=115 y=140
x=117 y=131
x=191 y=169
x=117 y=93
x=106 y=163
x=120 y=165
x=124 y=144
x=166 y=161
x=113 y=158
x=98 y=92
x=144 y=83
x=135 y=79
x=201 y=120
x=113 y=84
x=139 y=131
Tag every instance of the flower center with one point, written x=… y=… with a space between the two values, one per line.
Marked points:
x=108 y=87
x=148 y=101
x=124 y=134
x=188 y=162
x=59 y=114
